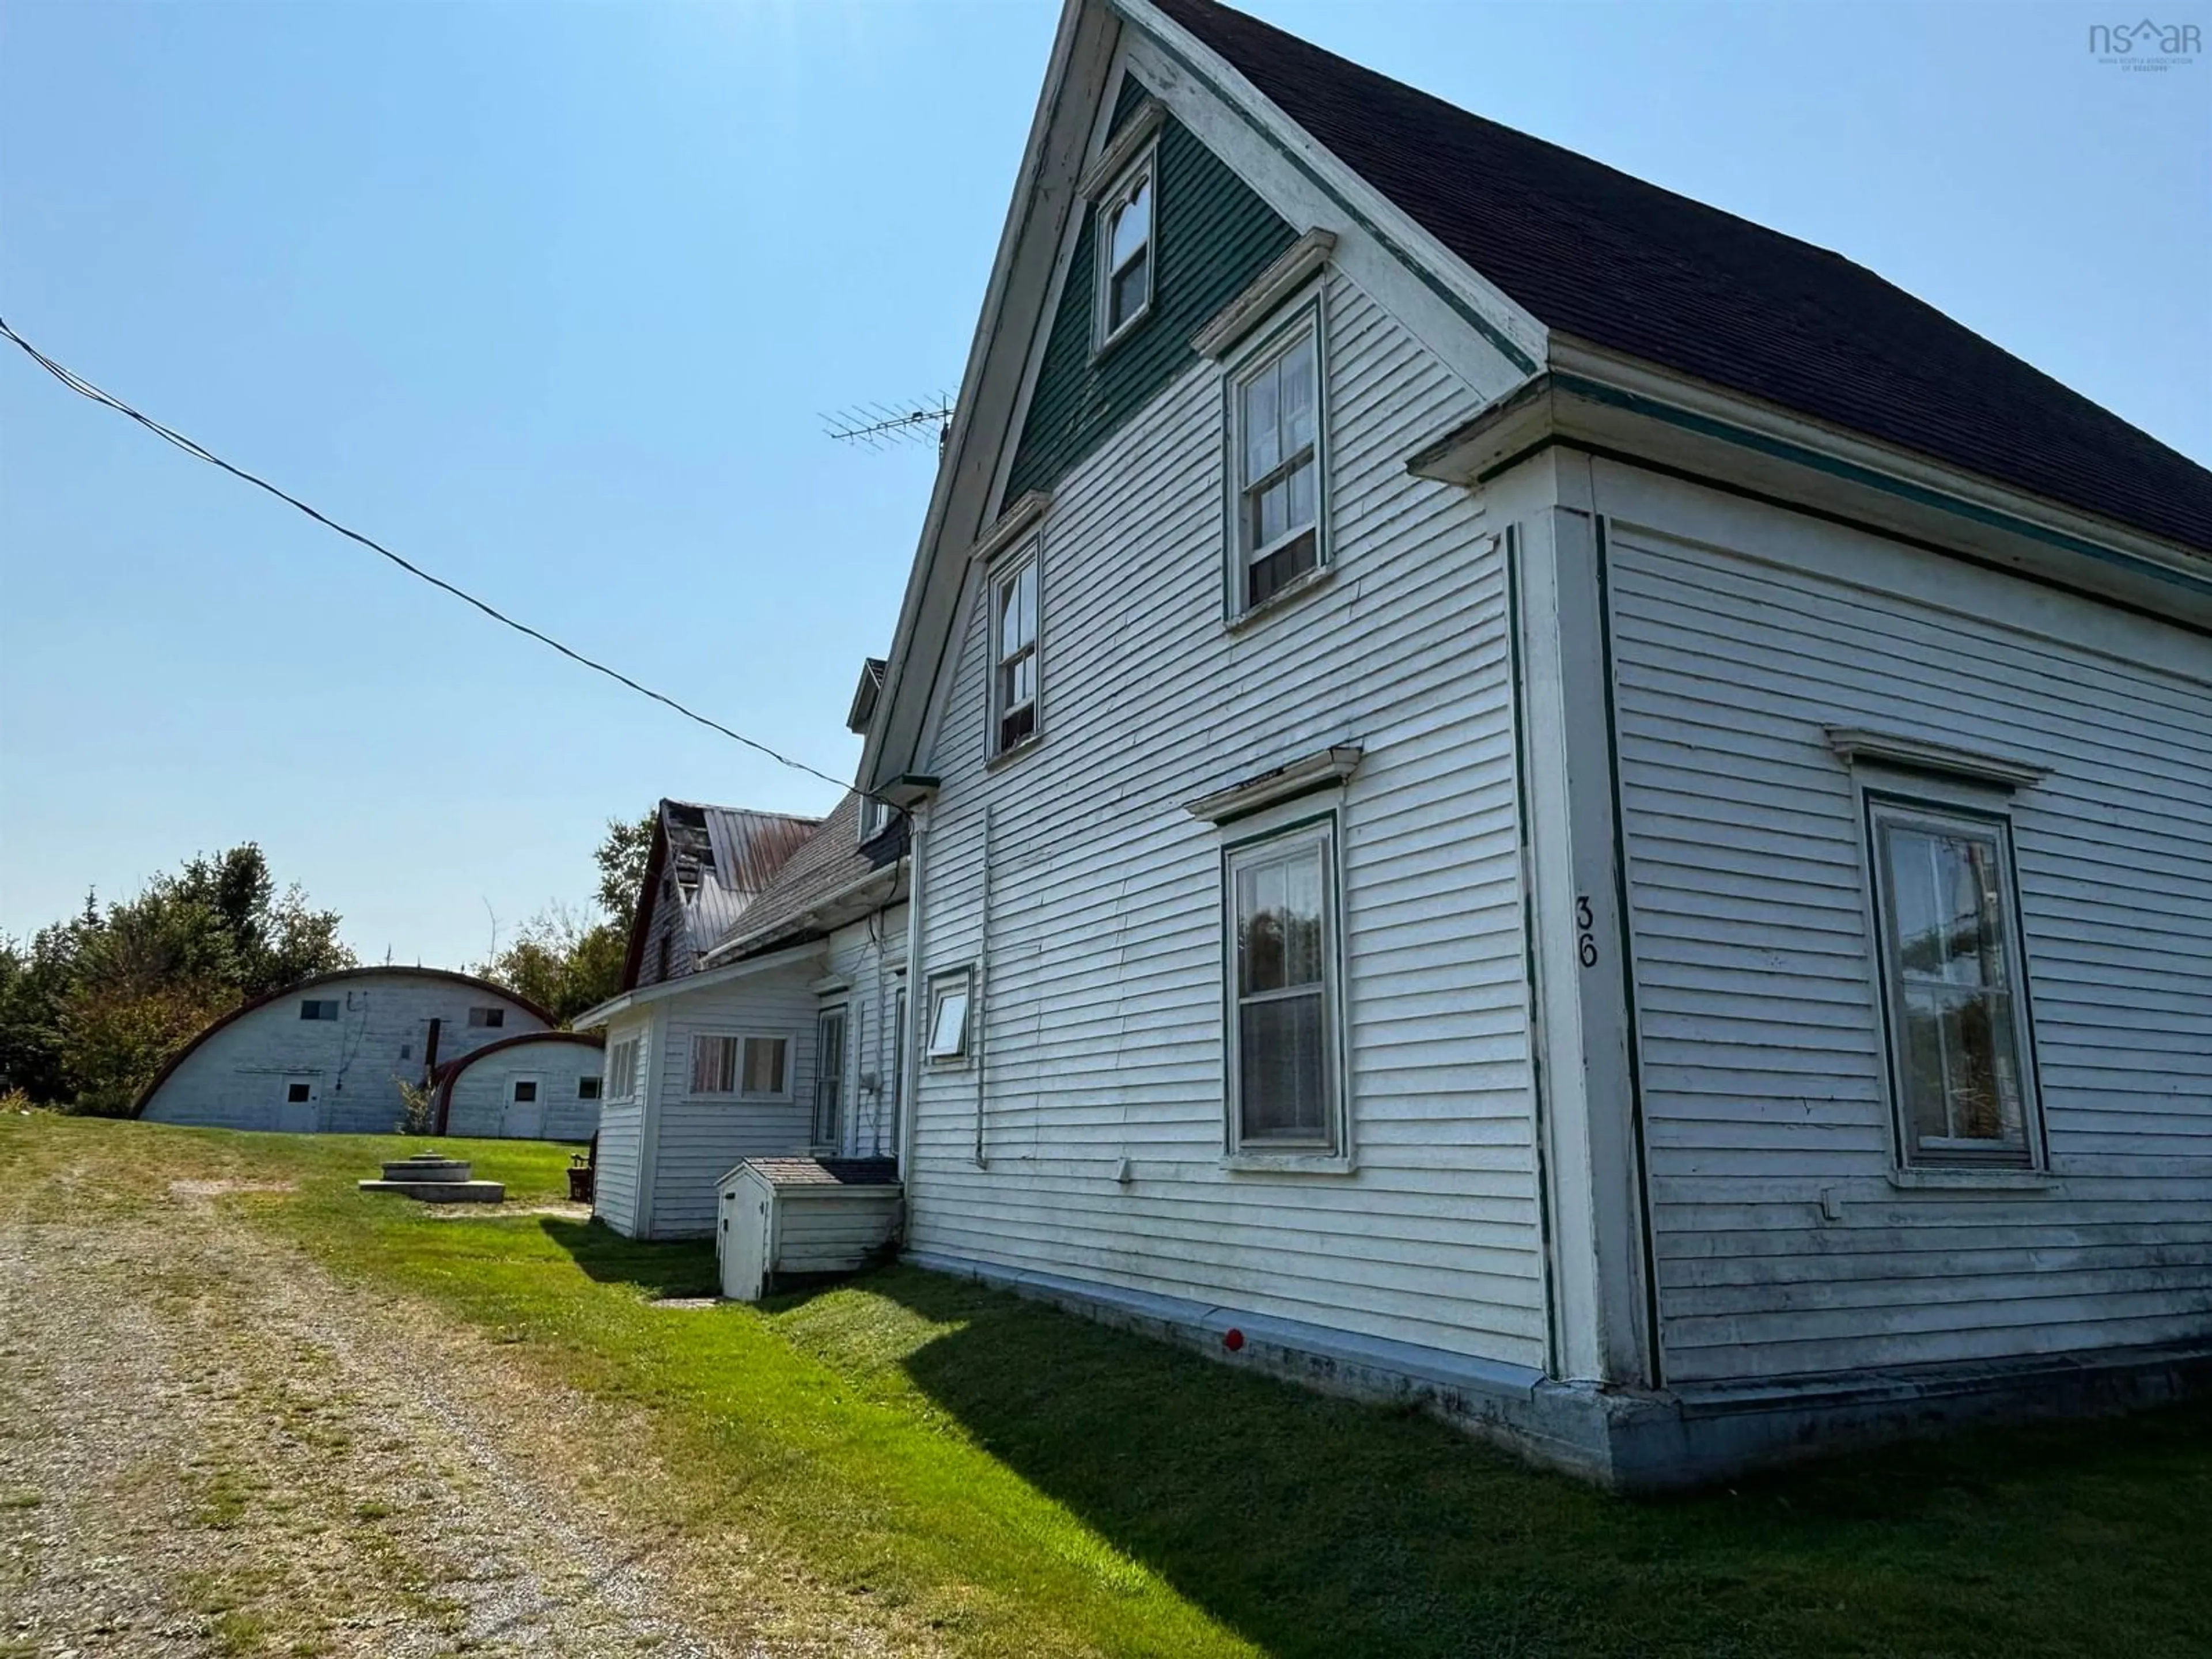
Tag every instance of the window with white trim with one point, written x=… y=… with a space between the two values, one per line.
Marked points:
x=950 y=995
x=745 y=1067
x=622 y=1069
x=525 y=1091
x=1951 y=973
x=1276 y=448
x=875 y=818
x=588 y=1088
x=1283 y=1039
x=1126 y=216
x=1014 y=652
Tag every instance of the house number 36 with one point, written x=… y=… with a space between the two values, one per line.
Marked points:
x=1585 y=931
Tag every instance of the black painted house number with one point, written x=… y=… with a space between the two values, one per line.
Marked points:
x=1585 y=931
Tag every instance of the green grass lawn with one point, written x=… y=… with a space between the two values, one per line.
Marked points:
x=1030 y=1483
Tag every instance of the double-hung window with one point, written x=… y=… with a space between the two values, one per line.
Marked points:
x=1014 y=651
x=1951 y=972
x=1282 y=1005
x=747 y=1067
x=1125 y=251
x=1276 y=454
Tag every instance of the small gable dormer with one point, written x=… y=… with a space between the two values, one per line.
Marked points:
x=1168 y=235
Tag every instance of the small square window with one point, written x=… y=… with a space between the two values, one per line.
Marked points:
x=949 y=997
x=1014 y=649
x=588 y=1088
x=319 y=1008
x=525 y=1090
x=1126 y=217
x=1277 y=452
x=1952 y=968
x=299 y=1094
x=488 y=1017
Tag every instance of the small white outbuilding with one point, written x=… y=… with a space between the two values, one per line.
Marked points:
x=785 y=1218
x=538 y=1086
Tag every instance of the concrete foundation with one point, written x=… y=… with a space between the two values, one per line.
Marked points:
x=1632 y=1441
x=433 y=1178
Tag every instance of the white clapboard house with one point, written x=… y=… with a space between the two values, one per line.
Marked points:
x=331 y=1053
x=777 y=1036
x=1530 y=794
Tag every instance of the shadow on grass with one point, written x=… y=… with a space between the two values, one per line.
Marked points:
x=683 y=1268
x=1318 y=1526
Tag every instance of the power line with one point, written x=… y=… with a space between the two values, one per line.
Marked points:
x=85 y=388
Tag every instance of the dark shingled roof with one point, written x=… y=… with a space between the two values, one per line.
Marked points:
x=827 y=1171
x=1628 y=266
x=831 y=858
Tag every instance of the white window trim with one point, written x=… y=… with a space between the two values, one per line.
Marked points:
x=536 y=1083
x=842 y=1009
x=594 y=1098
x=740 y=1093
x=962 y=981
x=1304 y=315
x=1030 y=554
x=1144 y=165
x=875 y=818
x=1334 y=1155
x=1908 y=799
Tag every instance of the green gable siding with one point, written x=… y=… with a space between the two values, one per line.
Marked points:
x=1213 y=235
x=1127 y=102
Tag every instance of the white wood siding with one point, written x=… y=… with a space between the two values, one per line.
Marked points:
x=621 y=1135
x=869 y=955
x=483 y=1097
x=353 y=1063
x=831 y=1233
x=699 y=1140
x=1740 y=632
x=1103 y=1016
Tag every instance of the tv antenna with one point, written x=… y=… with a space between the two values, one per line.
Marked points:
x=883 y=426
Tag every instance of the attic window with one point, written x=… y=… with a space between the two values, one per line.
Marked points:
x=490 y=1019
x=1126 y=216
x=315 y=1008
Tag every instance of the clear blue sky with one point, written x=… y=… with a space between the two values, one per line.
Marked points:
x=548 y=297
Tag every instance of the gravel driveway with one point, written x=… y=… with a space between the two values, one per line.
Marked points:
x=205 y=1449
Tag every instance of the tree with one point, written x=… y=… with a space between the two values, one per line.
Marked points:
x=94 y=1007
x=561 y=963
x=622 y=858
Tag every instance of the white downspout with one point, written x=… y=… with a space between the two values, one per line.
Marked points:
x=980 y=1012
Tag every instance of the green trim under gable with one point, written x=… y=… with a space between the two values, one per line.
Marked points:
x=1500 y=342
x=1213 y=235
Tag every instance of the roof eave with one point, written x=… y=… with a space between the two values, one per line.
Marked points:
x=1604 y=403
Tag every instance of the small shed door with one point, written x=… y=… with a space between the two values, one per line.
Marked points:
x=743 y=1242
x=829 y=1080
